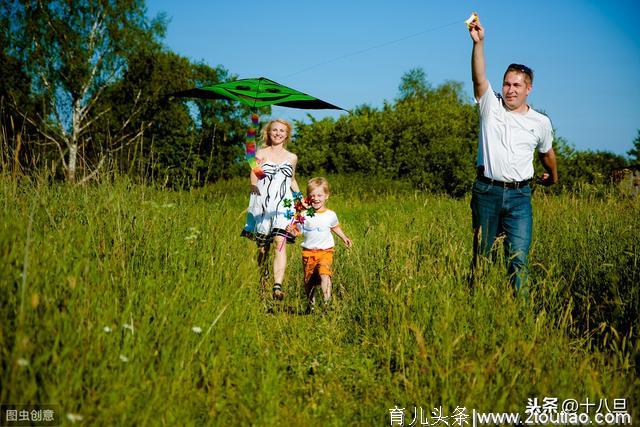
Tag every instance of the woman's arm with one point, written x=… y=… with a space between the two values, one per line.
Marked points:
x=252 y=176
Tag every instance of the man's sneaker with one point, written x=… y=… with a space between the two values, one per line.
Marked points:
x=277 y=292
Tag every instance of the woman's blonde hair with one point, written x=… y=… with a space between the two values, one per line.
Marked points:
x=264 y=134
x=318 y=182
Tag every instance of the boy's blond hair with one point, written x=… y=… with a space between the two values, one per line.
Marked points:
x=318 y=182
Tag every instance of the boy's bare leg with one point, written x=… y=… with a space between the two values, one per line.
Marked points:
x=309 y=290
x=325 y=285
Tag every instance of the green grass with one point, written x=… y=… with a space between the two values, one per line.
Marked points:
x=406 y=328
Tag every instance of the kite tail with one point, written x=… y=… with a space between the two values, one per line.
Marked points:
x=250 y=148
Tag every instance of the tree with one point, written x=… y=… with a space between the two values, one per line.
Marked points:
x=634 y=153
x=587 y=167
x=222 y=128
x=414 y=84
x=161 y=132
x=427 y=137
x=14 y=90
x=181 y=142
x=72 y=52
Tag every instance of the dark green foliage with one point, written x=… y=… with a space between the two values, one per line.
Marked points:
x=101 y=82
x=175 y=141
x=72 y=97
x=70 y=52
x=634 y=153
x=14 y=90
x=579 y=168
x=427 y=137
x=222 y=128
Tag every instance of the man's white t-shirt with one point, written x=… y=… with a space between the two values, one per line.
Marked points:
x=509 y=139
x=317 y=230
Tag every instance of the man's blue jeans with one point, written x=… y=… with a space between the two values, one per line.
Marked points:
x=497 y=210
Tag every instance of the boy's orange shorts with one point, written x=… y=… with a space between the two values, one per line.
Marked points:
x=317 y=260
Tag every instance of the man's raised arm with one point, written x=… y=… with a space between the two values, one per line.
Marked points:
x=478 y=68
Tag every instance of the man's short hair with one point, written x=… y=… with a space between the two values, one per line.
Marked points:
x=528 y=72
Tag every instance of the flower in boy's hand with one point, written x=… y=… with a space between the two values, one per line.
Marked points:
x=288 y=214
x=287 y=203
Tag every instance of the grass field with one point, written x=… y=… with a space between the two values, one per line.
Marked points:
x=103 y=285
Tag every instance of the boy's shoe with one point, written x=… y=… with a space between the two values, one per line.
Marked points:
x=328 y=306
x=277 y=292
x=311 y=305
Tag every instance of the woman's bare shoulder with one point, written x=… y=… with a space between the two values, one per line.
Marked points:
x=261 y=154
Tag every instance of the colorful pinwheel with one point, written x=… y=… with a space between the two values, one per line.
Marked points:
x=300 y=210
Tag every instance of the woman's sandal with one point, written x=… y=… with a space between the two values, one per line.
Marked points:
x=277 y=292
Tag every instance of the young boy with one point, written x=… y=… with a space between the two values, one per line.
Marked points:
x=318 y=244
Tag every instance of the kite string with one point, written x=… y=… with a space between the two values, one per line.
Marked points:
x=378 y=46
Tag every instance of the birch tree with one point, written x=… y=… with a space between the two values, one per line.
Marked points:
x=72 y=51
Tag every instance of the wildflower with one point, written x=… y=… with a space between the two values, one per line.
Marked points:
x=128 y=326
x=197 y=329
x=107 y=329
x=195 y=233
x=124 y=358
x=74 y=417
x=23 y=362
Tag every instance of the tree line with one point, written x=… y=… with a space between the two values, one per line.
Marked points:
x=85 y=92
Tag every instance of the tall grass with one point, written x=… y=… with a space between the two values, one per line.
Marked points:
x=101 y=287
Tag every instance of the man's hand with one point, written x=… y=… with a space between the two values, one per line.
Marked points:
x=550 y=176
x=546 y=180
x=476 y=31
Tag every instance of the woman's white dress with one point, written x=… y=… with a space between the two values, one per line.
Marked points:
x=266 y=215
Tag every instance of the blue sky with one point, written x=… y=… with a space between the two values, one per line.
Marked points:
x=586 y=54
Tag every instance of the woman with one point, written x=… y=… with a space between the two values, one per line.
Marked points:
x=266 y=220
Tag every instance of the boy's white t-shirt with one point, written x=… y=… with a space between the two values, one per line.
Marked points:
x=317 y=230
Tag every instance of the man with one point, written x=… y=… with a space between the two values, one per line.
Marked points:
x=510 y=132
